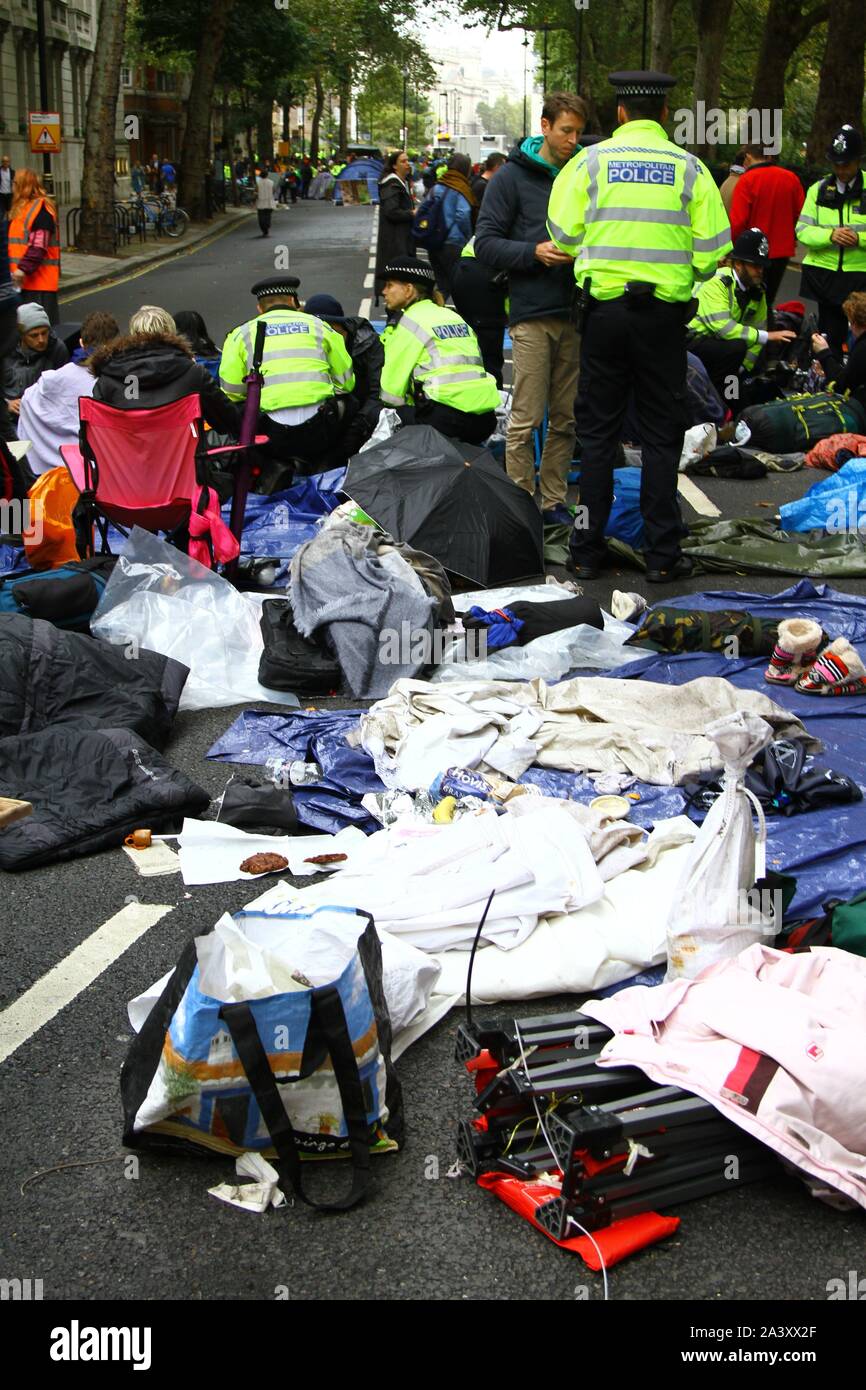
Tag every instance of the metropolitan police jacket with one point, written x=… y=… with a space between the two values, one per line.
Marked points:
x=639 y=208
x=435 y=349
x=304 y=361
x=725 y=311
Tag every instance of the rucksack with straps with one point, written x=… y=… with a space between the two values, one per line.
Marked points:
x=430 y=227
x=290 y=661
x=793 y=425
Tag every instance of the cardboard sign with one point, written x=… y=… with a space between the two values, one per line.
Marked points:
x=44 y=132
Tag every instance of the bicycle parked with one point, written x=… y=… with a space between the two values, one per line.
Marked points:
x=158 y=211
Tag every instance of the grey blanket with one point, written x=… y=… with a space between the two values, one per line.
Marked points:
x=380 y=623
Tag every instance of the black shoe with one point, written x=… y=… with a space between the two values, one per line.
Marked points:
x=580 y=571
x=682 y=568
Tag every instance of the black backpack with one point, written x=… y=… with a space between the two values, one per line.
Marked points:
x=289 y=661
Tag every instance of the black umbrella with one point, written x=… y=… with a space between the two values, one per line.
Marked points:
x=451 y=500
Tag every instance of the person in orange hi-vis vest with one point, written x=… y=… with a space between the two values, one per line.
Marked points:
x=34 y=243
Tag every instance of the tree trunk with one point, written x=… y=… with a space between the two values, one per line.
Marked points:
x=195 y=154
x=785 y=28
x=96 y=234
x=840 y=91
x=711 y=20
x=661 y=36
x=317 y=115
x=345 y=102
x=265 y=133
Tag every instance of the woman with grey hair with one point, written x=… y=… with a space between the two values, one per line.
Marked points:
x=152 y=365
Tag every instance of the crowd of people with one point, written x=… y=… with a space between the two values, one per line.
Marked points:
x=606 y=260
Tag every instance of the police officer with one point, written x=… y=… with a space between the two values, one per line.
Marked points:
x=832 y=227
x=729 y=330
x=433 y=369
x=643 y=219
x=307 y=373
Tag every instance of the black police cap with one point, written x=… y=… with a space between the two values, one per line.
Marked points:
x=752 y=247
x=847 y=144
x=410 y=272
x=276 y=285
x=642 y=84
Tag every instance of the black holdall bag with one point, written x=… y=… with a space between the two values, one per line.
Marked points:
x=293 y=662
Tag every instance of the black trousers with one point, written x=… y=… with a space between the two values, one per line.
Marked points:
x=315 y=444
x=443 y=262
x=454 y=424
x=833 y=323
x=623 y=349
x=482 y=305
x=264 y=216
x=773 y=276
x=722 y=359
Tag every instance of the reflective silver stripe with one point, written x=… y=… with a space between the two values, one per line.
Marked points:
x=419 y=332
x=391 y=400
x=289 y=378
x=650 y=255
x=344 y=377
x=592 y=165
x=439 y=380
x=715 y=318
x=712 y=243
x=459 y=361
x=693 y=168
x=247 y=340
x=232 y=386
x=559 y=235
x=668 y=216
x=805 y=221
x=739 y=330
x=661 y=150
x=280 y=354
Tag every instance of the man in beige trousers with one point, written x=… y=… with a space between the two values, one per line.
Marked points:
x=511 y=235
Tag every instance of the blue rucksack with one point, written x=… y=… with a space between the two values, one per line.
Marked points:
x=429 y=227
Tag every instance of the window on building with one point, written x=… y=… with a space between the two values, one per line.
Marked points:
x=126 y=77
x=166 y=81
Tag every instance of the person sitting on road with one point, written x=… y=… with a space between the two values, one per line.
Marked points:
x=152 y=366
x=433 y=370
x=729 y=331
x=306 y=405
x=368 y=359
x=37 y=351
x=49 y=409
x=852 y=376
x=190 y=325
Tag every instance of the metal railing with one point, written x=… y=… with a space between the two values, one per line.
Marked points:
x=126 y=222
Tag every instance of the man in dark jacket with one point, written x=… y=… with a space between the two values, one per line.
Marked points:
x=511 y=235
x=368 y=358
x=493 y=162
x=37 y=351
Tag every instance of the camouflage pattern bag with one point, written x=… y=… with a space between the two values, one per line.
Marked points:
x=727 y=630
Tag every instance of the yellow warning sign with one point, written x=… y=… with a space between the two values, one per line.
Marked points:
x=44 y=132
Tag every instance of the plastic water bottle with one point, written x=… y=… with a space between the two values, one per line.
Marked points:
x=288 y=772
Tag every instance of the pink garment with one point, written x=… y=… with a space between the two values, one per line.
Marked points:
x=774 y=1041
x=210 y=525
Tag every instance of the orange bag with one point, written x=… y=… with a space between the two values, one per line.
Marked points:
x=49 y=538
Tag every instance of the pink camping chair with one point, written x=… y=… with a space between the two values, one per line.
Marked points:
x=147 y=468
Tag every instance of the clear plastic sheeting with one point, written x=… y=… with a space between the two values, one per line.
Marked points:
x=550 y=657
x=160 y=600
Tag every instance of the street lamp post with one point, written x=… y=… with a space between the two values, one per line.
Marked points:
x=525 y=47
x=404 y=132
x=43 y=82
x=644 y=37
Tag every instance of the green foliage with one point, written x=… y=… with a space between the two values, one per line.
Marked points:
x=504 y=117
x=380 y=108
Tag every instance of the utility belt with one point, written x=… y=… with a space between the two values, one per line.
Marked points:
x=637 y=296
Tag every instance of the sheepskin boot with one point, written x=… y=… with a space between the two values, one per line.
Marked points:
x=797 y=646
x=838 y=670
x=627 y=607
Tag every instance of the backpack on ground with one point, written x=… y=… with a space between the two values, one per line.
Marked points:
x=66 y=597
x=289 y=661
x=429 y=226
x=793 y=425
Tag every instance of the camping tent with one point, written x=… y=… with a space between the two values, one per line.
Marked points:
x=363 y=171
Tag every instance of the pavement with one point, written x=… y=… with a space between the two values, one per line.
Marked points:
x=99 y=1227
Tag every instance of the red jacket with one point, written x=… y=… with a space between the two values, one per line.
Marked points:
x=770 y=198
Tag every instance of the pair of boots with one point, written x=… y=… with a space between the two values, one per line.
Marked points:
x=800 y=659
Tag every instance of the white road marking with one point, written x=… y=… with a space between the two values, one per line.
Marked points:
x=364 y=310
x=368 y=281
x=45 y=999
x=695 y=498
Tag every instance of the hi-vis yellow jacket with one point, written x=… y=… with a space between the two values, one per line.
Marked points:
x=304 y=360
x=638 y=207
x=435 y=349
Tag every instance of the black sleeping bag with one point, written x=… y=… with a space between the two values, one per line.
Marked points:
x=539 y=619
x=50 y=677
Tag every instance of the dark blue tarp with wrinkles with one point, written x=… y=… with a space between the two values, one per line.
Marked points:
x=276 y=525
x=319 y=737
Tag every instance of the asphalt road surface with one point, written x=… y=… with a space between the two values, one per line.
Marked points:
x=100 y=1228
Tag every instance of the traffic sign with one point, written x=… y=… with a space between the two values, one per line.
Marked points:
x=44 y=132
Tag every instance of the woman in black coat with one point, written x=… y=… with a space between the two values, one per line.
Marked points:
x=396 y=212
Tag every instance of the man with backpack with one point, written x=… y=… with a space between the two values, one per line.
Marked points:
x=511 y=236
x=443 y=222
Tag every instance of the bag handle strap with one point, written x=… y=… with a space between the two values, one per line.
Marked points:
x=326 y=1014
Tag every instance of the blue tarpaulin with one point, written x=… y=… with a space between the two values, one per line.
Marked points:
x=276 y=525
x=836 y=504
